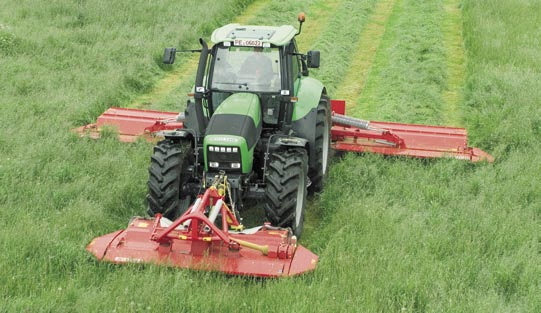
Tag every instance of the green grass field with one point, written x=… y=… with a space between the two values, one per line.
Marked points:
x=393 y=235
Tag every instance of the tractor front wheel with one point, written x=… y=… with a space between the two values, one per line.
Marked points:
x=287 y=188
x=168 y=175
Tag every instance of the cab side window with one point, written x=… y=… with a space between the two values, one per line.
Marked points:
x=295 y=66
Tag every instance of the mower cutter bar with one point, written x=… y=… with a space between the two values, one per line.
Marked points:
x=397 y=139
x=132 y=123
x=411 y=140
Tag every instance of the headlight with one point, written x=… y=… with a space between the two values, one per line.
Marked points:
x=225 y=158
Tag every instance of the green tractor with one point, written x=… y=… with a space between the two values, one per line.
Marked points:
x=255 y=117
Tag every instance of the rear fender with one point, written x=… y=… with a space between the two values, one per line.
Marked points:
x=305 y=114
x=308 y=92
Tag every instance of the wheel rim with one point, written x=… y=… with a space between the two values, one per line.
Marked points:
x=300 y=200
x=326 y=147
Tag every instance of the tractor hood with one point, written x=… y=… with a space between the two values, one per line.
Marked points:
x=240 y=116
x=235 y=127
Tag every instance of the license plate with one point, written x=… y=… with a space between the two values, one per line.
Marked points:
x=248 y=43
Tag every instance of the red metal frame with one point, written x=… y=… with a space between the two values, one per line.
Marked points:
x=193 y=241
x=407 y=140
x=397 y=139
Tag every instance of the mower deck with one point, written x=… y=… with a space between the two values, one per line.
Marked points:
x=135 y=245
x=412 y=140
x=131 y=123
x=195 y=241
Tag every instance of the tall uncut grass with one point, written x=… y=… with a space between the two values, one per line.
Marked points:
x=396 y=235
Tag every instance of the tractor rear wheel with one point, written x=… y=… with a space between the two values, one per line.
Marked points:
x=322 y=144
x=168 y=175
x=286 y=189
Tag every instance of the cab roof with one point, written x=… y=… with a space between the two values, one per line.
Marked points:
x=275 y=35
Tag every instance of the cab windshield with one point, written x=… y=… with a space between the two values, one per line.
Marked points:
x=254 y=69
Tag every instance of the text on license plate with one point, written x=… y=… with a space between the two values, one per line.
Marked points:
x=248 y=43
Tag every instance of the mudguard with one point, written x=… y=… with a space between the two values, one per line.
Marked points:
x=305 y=113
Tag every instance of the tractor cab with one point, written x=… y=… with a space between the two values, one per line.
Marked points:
x=261 y=60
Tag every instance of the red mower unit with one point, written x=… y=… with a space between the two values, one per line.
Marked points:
x=256 y=127
x=194 y=241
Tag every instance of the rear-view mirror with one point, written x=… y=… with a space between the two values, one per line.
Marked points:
x=169 y=55
x=313 y=59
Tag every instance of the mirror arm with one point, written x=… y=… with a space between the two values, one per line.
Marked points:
x=304 y=65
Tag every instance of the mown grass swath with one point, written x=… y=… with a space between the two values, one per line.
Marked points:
x=397 y=234
x=364 y=54
x=409 y=73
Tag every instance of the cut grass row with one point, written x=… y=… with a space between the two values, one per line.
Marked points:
x=337 y=39
x=448 y=30
x=453 y=95
x=364 y=55
x=409 y=73
x=439 y=39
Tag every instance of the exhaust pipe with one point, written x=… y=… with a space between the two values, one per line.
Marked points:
x=199 y=88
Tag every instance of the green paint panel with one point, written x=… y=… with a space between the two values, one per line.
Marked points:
x=243 y=104
x=309 y=92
